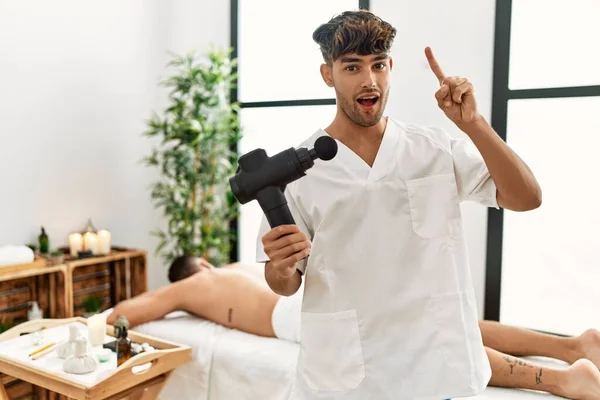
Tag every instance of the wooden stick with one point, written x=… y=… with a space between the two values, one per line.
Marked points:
x=44 y=347
x=43 y=353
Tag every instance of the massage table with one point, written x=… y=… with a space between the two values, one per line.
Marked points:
x=231 y=365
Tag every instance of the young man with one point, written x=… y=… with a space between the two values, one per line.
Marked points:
x=237 y=297
x=389 y=309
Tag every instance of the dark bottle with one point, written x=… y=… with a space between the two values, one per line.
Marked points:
x=123 y=346
x=44 y=242
x=120 y=322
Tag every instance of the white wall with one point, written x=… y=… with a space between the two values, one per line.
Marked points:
x=461 y=34
x=78 y=80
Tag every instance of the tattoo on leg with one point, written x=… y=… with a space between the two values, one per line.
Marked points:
x=512 y=362
x=538 y=377
x=230 y=314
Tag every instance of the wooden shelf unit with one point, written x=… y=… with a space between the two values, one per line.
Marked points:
x=61 y=289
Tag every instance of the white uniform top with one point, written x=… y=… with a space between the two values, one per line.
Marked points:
x=310 y=197
x=388 y=308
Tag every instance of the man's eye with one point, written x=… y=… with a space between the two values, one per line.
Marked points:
x=380 y=66
x=351 y=68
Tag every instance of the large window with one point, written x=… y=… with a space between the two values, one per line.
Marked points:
x=281 y=92
x=542 y=270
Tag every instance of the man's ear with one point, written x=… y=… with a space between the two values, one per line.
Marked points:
x=391 y=63
x=326 y=74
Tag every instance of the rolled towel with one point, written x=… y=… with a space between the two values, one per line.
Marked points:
x=13 y=255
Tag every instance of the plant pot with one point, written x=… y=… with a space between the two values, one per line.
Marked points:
x=89 y=314
x=57 y=259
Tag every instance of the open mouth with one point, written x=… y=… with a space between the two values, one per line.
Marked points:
x=368 y=101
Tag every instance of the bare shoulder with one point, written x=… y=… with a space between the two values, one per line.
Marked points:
x=176 y=292
x=256 y=270
x=192 y=283
x=189 y=290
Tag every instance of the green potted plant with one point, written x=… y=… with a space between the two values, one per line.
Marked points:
x=4 y=326
x=196 y=153
x=92 y=306
x=57 y=256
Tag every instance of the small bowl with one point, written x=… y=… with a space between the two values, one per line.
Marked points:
x=103 y=354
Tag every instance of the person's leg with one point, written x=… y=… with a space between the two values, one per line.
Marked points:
x=578 y=381
x=524 y=342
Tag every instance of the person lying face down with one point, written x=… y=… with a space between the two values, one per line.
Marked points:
x=232 y=296
x=236 y=296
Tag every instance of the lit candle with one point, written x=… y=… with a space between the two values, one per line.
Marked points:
x=75 y=243
x=96 y=329
x=90 y=242
x=104 y=241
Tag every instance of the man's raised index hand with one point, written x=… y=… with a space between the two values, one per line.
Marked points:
x=455 y=96
x=434 y=65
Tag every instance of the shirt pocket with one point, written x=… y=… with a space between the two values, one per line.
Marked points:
x=434 y=206
x=331 y=354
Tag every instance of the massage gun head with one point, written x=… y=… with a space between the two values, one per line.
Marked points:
x=325 y=148
x=257 y=171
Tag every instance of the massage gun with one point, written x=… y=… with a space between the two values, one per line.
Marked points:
x=263 y=178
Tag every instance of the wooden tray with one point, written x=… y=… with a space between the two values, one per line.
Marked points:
x=139 y=370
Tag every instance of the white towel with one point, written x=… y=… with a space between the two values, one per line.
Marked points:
x=12 y=255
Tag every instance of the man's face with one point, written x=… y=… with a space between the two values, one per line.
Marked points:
x=362 y=85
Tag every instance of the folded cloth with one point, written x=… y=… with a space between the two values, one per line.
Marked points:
x=12 y=255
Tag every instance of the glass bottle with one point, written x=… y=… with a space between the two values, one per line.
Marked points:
x=123 y=346
x=44 y=242
x=120 y=322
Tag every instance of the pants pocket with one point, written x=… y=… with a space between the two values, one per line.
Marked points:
x=331 y=351
x=434 y=206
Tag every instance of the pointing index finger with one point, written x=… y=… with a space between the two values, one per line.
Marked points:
x=433 y=64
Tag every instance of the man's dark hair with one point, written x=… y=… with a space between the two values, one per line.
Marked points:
x=182 y=267
x=360 y=32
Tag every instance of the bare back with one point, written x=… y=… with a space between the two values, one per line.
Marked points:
x=230 y=297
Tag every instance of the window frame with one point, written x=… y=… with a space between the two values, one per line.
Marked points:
x=501 y=95
x=234 y=45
